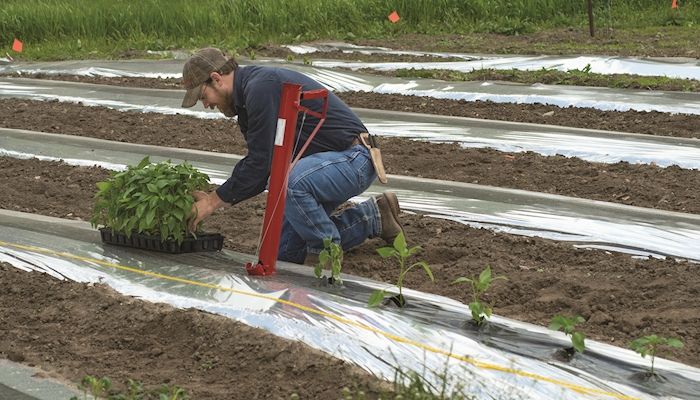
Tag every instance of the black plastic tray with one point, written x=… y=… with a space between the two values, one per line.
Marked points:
x=190 y=244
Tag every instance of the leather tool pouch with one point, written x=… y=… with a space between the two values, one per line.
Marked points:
x=368 y=141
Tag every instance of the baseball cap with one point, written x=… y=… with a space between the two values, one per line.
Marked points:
x=196 y=72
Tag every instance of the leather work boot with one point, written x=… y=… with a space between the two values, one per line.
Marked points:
x=389 y=210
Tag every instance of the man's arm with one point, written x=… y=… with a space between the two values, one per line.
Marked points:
x=249 y=176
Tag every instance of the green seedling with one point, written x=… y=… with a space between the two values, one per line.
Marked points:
x=98 y=388
x=479 y=308
x=155 y=199
x=172 y=393
x=135 y=390
x=290 y=58
x=331 y=254
x=650 y=345
x=251 y=54
x=567 y=325
x=401 y=252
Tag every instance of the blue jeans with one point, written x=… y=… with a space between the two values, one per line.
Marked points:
x=317 y=185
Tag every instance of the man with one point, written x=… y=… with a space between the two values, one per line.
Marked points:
x=334 y=168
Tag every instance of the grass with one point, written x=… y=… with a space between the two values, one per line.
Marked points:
x=578 y=77
x=54 y=29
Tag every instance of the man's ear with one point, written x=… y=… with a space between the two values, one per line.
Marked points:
x=216 y=77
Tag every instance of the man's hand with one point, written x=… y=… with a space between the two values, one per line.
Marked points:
x=204 y=205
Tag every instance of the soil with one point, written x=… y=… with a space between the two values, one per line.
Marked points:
x=70 y=330
x=621 y=298
x=652 y=123
x=668 y=41
x=641 y=185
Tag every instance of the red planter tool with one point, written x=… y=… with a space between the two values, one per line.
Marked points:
x=290 y=106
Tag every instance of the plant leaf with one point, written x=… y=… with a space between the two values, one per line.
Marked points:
x=462 y=279
x=386 y=252
x=376 y=298
x=426 y=268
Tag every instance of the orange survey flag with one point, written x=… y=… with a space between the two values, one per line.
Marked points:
x=674 y=4
x=17 y=46
x=394 y=16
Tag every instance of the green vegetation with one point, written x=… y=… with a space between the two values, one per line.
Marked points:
x=149 y=198
x=331 y=254
x=650 y=345
x=479 y=308
x=401 y=252
x=410 y=385
x=102 y=389
x=89 y=28
x=567 y=324
x=577 y=77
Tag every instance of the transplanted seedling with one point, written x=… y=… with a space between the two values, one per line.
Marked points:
x=401 y=252
x=480 y=309
x=98 y=388
x=567 y=325
x=650 y=345
x=172 y=393
x=331 y=254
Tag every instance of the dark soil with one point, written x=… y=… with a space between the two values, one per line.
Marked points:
x=641 y=185
x=652 y=123
x=622 y=298
x=668 y=41
x=550 y=77
x=73 y=329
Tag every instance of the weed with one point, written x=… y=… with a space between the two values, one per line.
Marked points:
x=331 y=254
x=401 y=252
x=567 y=324
x=650 y=345
x=480 y=309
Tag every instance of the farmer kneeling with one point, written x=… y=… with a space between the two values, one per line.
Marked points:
x=335 y=167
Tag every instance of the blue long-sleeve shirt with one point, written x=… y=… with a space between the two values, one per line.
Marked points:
x=256 y=100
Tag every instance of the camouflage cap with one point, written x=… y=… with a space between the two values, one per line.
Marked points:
x=196 y=72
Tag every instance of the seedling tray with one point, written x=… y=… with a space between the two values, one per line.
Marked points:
x=203 y=242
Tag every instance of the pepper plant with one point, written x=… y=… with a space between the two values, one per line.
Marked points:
x=567 y=325
x=154 y=199
x=401 y=252
x=98 y=388
x=479 y=308
x=331 y=254
x=650 y=345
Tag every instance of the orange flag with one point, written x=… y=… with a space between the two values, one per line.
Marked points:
x=17 y=46
x=394 y=16
x=674 y=4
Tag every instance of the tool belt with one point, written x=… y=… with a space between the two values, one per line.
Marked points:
x=371 y=144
